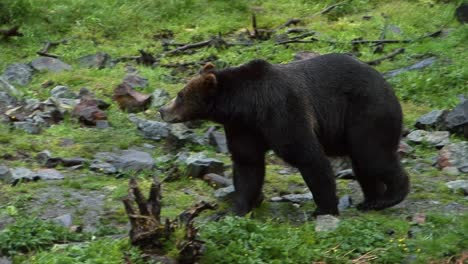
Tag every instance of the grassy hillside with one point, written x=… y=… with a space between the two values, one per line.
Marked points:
x=121 y=28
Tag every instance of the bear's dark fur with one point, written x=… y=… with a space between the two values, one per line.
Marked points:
x=329 y=105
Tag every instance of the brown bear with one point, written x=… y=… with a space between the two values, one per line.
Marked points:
x=330 y=105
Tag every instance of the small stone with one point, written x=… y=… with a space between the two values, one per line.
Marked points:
x=435 y=138
x=453 y=171
x=43 y=156
x=458 y=185
x=28 y=127
x=49 y=174
x=347 y=174
x=64 y=220
x=160 y=97
x=18 y=73
x=419 y=218
x=102 y=124
x=225 y=193
x=345 y=202
x=21 y=173
x=418 y=65
x=151 y=129
x=103 y=167
x=293 y=198
x=135 y=81
x=5 y=173
x=164 y=159
x=433 y=119
x=454 y=155
x=326 y=223
x=198 y=165
x=88 y=112
x=404 y=149
x=63 y=92
x=50 y=64
x=216 y=180
x=8 y=88
x=130 y=100
x=99 y=60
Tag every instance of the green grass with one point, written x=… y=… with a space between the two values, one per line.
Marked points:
x=121 y=28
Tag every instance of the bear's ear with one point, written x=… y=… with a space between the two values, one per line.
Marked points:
x=209 y=67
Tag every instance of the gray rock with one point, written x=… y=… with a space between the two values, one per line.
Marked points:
x=28 y=126
x=454 y=155
x=99 y=60
x=457 y=119
x=419 y=65
x=225 y=193
x=50 y=64
x=126 y=160
x=63 y=92
x=6 y=260
x=435 y=138
x=8 y=88
x=164 y=159
x=345 y=202
x=6 y=101
x=65 y=220
x=49 y=174
x=180 y=134
x=294 y=198
x=340 y=163
x=458 y=185
x=326 y=223
x=135 y=81
x=217 y=180
x=18 y=73
x=102 y=124
x=5 y=173
x=347 y=174
x=198 y=165
x=160 y=97
x=453 y=171
x=151 y=129
x=433 y=119
x=21 y=173
x=217 y=139
x=404 y=149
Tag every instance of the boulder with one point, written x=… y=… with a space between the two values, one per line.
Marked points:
x=433 y=119
x=63 y=92
x=99 y=60
x=198 y=165
x=18 y=74
x=435 y=138
x=458 y=185
x=134 y=81
x=126 y=160
x=457 y=119
x=454 y=155
x=160 y=97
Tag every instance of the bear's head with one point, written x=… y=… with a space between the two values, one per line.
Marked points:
x=193 y=101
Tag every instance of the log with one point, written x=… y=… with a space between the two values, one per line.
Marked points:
x=386 y=57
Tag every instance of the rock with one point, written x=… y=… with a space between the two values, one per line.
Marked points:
x=49 y=174
x=160 y=97
x=347 y=174
x=6 y=101
x=151 y=129
x=20 y=174
x=419 y=219
x=135 y=81
x=126 y=160
x=454 y=155
x=419 y=65
x=5 y=174
x=404 y=149
x=8 y=88
x=63 y=92
x=180 y=134
x=102 y=124
x=458 y=185
x=435 y=138
x=131 y=100
x=293 y=198
x=218 y=139
x=433 y=119
x=462 y=13
x=99 y=60
x=64 y=220
x=6 y=260
x=304 y=55
x=340 y=163
x=50 y=64
x=18 y=73
x=457 y=119
x=198 y=165
x=217 y=180
x=88 y=112
x=453 y=171
x=326 y=223
x=225 y=193
x=164 y=159
x=345 y=202
x=28 y=127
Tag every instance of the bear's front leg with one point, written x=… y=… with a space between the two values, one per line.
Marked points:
x=248 y=156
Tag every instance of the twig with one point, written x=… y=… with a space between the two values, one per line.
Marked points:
x=289 y=41
x=11 y=32
x=326 y=10
x=215 y=41
x=386 y=57
x=254 y=26
x=292 y=21
x=48 y=45
x=380 y=41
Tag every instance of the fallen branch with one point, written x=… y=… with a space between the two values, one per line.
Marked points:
x=48 y=45
x=11 y=32
x=386 y=57
x=292 y=21
x=380 y=41
x=326 y=10
x=289 y=41
x=214 y=41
